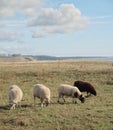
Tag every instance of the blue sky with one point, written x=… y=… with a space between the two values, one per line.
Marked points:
x=56 y=27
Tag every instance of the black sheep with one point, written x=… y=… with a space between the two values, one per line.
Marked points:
x=85 y=87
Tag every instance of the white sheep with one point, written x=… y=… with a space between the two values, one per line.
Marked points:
x=68 y=90
x=42 y=92
x=15 y=96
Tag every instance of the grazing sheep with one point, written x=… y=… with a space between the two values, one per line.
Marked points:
x=15 y=96
x=68 y=90
x=85 y=87
x=42 y=92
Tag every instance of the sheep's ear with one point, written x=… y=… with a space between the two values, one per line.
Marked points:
x=75 y=94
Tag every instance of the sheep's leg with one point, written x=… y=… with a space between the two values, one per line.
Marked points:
x=13 y=106
x=74 y=100
x=42 y=101
x=59 y=96
x=34 y=101
x=42 y=105
x=63 y=98
x=58 y=99
x=88 y=94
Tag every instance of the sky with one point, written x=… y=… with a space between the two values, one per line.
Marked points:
x=56 y=27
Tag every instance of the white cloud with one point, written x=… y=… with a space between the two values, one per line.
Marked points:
x=11 y=24
x=11 y=7
x=8 y=36
x=38 y=34
x=44 y=21
x=12 y=30
x=19 y=49
x=15 y=49
x=65 y=20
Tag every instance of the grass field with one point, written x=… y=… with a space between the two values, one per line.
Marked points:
x=95 y=114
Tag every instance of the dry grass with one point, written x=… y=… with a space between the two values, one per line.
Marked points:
x=95 y=114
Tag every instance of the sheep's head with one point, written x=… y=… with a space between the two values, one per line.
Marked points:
x=81 y=98
x=47 y=101
x=95 y=93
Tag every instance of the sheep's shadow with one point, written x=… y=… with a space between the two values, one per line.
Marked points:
x=26 y=105
x=63 y=103
x=5 y=107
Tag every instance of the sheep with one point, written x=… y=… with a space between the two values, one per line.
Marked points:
x=15 y=96
x=42 y=92
x=85 y=87
x=68 y=90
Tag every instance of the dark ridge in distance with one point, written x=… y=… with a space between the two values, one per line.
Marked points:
x=46 y=57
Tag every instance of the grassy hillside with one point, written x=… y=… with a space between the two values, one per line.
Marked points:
x=95 y=114
x=16 y=59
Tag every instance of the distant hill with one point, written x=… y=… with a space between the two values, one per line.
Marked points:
x=16 y=59
x=44 y=57
x=32 y=58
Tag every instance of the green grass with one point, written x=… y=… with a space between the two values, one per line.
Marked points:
x=95 y=114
